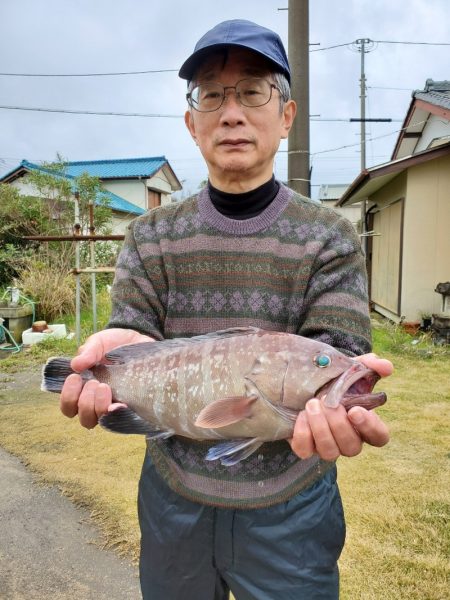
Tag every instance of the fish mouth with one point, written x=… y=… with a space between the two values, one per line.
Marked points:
x=353 y=388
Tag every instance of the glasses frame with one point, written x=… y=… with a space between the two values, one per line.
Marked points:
x=231 y=87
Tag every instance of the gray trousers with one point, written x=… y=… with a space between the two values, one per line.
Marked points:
x=190 y=551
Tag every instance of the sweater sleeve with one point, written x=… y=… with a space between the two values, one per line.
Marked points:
x=336 y=301
x=137 y=298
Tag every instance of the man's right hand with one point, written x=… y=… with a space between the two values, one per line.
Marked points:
x=91 y=401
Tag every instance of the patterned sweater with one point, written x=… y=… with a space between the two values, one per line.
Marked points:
x=186 y=269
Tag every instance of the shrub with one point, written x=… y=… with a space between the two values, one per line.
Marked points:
x=52 y=288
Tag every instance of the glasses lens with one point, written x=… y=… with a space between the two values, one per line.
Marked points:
x=254 y=92
x=207 y=97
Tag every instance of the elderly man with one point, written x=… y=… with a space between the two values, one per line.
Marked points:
x=246 y=251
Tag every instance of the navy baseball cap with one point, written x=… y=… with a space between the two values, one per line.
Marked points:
x=243 y=34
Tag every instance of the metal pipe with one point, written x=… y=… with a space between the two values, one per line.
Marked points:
x=77 y=266
x=72 y=238
x=93 y=276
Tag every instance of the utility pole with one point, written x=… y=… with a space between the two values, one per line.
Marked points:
x=298 y=142
x=361 y=45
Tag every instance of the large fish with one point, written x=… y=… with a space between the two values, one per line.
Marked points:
x=244 y=385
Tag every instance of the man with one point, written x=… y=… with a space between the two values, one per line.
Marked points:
x=246 y=251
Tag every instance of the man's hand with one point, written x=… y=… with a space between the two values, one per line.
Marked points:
x=332 y=432
x=91 y=401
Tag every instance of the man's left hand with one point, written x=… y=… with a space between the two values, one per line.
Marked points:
x=332 y=432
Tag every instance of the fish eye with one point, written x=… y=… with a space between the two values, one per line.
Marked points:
x=322 y=361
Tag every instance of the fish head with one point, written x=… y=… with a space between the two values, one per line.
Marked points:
x=306 y=369
x=311 y=370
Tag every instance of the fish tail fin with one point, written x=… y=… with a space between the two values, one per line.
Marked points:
x=55 y=372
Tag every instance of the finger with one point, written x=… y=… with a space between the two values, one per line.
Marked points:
x=89 y=354
x=324 y=441
x=302 y=442
x=369 y=426
x=86 y=405
x=103 y=399
x=68 y=401
x=346 y=437
x=382 y=366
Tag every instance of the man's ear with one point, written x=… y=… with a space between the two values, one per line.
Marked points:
x=189 y=121
x=289 y=112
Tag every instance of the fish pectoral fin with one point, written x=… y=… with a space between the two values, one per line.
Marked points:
x=125 y=420
x=232 y=452
x=226 y=411
x=286 y=413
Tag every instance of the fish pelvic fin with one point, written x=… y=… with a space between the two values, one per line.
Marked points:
x=124 y=420
x=55 y=372
x=226 y=411
x=231 y=453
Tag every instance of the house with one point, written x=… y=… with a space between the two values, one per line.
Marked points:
x=408 y=211
x=330 y=193
x=132 y=185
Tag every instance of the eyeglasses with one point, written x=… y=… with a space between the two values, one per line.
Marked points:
x=252 y=92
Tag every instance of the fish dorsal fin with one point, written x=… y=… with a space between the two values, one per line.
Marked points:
x=226 y=411
x=123 y=354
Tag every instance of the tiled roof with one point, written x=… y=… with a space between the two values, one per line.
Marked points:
x=435 y=92
x=117 y=169
x=115 y=202
x=441 y=99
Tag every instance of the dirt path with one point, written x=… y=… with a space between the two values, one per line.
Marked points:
x=49 y=548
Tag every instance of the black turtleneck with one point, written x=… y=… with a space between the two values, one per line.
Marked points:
x=246 y=205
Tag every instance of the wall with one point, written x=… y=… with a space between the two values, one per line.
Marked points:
x=133 y=190
x=426 y=237
x=384 y=197
x=436 y=127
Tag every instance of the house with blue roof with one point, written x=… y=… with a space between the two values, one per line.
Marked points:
x=132 y=185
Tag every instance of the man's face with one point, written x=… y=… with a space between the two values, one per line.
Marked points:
x=239 y=143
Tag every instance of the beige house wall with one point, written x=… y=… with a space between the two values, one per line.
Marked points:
x=386 y=247
x=425 y=248
x=131 y=190
x=136 y=190
x=426 y=260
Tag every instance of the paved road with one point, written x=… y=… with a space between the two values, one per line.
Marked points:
x=48 y=546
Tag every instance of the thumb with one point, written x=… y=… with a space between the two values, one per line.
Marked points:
x=89 y=354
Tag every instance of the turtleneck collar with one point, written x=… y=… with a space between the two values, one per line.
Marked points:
x=246 y=205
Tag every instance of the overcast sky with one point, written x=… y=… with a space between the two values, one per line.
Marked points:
x=102 y=36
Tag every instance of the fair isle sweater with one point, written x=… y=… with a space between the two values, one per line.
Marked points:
x=186 y=269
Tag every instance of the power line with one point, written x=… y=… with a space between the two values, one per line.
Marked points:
x=412 y=43
x=353 y=145
x=378 y=87
x=147 y=115
x=90 y=112
x=151 y=71
x=87 y=74
x=331 y=47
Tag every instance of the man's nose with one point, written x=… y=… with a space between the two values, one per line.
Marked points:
x=231 y=110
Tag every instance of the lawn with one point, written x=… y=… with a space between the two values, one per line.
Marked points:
x=396 y=499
